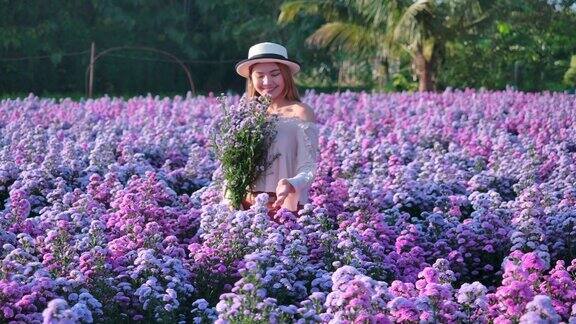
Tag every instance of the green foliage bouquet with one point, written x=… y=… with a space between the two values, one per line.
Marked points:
x=241 y=138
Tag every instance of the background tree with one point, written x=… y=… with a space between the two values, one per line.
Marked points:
x=48 y=32
x=525 y=44
x=421 y=28
x=364 y=44
x=345 y=29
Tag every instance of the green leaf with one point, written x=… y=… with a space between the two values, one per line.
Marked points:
x=56 y=58
x=428 y=48
x=570 y=76
x=503 y=28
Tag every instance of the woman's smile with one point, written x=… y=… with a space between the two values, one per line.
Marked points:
x=268 y=90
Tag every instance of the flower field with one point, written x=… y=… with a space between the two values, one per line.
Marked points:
x=433 y=207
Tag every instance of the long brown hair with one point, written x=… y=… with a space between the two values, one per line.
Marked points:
x=290 y=91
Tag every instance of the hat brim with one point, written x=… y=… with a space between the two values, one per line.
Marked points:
x=243 y=67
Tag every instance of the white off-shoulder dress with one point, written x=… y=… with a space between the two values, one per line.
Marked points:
x=297 y=143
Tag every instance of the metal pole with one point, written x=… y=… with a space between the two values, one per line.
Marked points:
x=91 y=79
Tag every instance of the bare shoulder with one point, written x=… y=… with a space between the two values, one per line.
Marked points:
x=304 y=112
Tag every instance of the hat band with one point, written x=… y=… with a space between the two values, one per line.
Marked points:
x=268 y=55
x=243 y=67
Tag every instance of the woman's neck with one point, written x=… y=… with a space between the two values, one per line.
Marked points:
x=277 y=105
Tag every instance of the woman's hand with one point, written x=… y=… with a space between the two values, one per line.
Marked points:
x=283 y=188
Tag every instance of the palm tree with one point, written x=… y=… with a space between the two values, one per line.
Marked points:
x=345 y=29
x=385 y=27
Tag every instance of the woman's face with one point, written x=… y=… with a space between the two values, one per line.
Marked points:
x=267 y=79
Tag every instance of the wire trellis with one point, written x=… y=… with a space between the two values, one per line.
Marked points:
x=172 y=59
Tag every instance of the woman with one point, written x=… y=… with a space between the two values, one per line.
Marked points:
x=268 y=71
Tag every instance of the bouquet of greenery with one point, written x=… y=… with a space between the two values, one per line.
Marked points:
x=240 y=139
